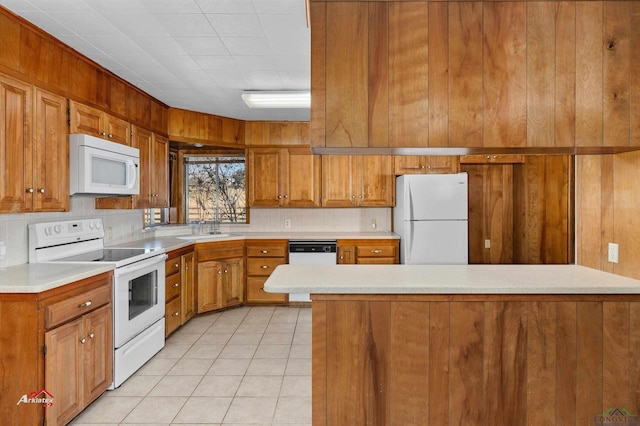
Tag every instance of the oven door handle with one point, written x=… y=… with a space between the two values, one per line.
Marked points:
x=141 y=265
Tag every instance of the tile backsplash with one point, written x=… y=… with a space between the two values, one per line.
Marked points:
x=127 y=224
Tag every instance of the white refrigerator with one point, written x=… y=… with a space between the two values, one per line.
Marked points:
x=431 y=217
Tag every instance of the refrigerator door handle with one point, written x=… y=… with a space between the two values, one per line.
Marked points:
x=408 y=241
x=409 y=201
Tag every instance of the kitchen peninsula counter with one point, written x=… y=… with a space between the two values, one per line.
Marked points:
x=471 y=344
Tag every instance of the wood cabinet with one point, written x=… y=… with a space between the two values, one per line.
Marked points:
x=357 y=181
x=179 y=289
x=262 y=258
x=283 y=177
x=492 y=159
x=192 y=126
x=425 y=164
x=220 y=275
x=34 y=175
x=154 y=168
x=55 y=341
x=369 y=252
x=94 y=122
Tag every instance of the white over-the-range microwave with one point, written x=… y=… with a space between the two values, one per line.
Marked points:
x=98 y=166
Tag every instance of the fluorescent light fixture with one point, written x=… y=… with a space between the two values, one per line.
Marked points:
x=284 y=99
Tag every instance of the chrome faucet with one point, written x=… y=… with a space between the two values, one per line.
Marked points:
x=201 y=227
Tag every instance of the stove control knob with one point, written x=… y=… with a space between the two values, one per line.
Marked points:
x=57 y=229
x=90 y=225
x=97 y=224
x=48 y=230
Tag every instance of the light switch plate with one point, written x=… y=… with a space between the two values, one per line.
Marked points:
x=487 y=243
x=287 y=223
x=613 y=252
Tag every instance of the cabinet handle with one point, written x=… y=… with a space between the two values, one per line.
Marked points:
x=376 y=251
x=488 y=156
x=91 y=335
x=110 y=135
x=83 y=340
x=353 y=196
x=494 y=156
x=30 y=190
x=175 y=314
x=41 y=190
x=264 y=251
x=219 y=272
x=286 y=196
x=264 y=267
x=342 y=257
x=176 y=265
x=279 y=197
x=176 y=284
x=103 y=133
x=226 y=271
x=85 y=304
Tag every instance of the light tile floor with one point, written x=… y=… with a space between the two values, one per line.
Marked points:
x=245 y=366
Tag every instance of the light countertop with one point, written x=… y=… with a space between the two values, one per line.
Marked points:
x=39 y=277
x=447 y=279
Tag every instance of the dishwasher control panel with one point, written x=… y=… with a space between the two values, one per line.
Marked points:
x=305 y=246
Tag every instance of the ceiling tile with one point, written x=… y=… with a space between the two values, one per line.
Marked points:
x=18 y=6
x=295 y=80
x=115 y=44
x=117 y=6
x=226 y=6
x=85 y=23
x=292 y=62
x=264 y=80
x=255 y=63
x=285 y=25
x=139 y=24
x=81 y=45
x=290 y=46
x=173 y=62
x=186 y=25
x=47 y=23
x=236 y=25
x=288 y=7
x=159 y=45
x=198 y=46
x=216 y=62
x=246 y=45
x=62 y=5
x=171 y=6
x=228 y=79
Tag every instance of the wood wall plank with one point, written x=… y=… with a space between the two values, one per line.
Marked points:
x=589 y=397
x=616 y=391
x=347 y=74
x=438 y=74
x=566 y=363
x=466 y=100
x=59 y=62
x=608 y=209
x=589 y=211
x=505 y=363
x=318 y=12
x=616 y=78
x=408 y=74
x=504 y=73
x=408 y=398
x=378 y=118
x=634 y=70
x=565 y=98
x=541 y=73
x=33 y=54
x=634 y=365
x=466 y=400
x=439 y=329
x=9 y=43
x=625 y=199
x=541 y=363
x=589 y=19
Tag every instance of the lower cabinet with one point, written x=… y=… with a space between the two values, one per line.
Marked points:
x=262 y=258
x=179 y=289
x=369 y=252
x=220 y=276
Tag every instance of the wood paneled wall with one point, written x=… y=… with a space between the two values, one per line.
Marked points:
x=30 y=54
x=608 y=211
x=421 y=360
x=527 y=74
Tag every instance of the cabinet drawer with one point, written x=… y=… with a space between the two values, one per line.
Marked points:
x=172 y=266
x=173 y=316
x=376 y=260
x=74 y=306
x=205 y=255
x=256 y=294
x=266 y=251
x=376 y=251
x=264 y=266
x=172 y=286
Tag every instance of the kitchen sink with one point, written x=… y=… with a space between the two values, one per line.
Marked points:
x=204 y=237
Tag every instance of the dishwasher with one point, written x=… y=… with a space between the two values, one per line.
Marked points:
x=306 y=252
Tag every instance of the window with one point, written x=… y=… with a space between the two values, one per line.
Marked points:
x=215 y=189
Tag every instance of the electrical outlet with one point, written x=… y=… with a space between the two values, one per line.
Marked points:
x=374 y=225
x=487 y=243
x=613 y=252
x=109 y=233
x=287 y=223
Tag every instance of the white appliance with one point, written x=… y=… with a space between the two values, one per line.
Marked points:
x=98 y=166
x=305 y=252
x=431 y=218
x=138 y=286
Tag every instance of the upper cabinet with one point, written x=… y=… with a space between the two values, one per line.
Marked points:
x=33 y=148
x=91 y=121
x=425 y=164
x=485 y=74
x=154 y=166
x=191 y=126
x=258 y=133
x=357 y=181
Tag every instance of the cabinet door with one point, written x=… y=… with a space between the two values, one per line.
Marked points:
x=64 y=371
x=442 y=164
x=160 y=175
x=265 y=184
x=51 y=153
x=409 y=164
x=142 y=140
x=16 y=191
x=337 y=176
x=117 y=130
x=84 y=119
x=188 y=287
x=98 y=372
x=346 y=255
x=210 y=286
x=303 y=179
x=233 y=282
x=376 y=181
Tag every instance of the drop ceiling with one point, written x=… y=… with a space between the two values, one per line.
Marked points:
x=193 y=54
